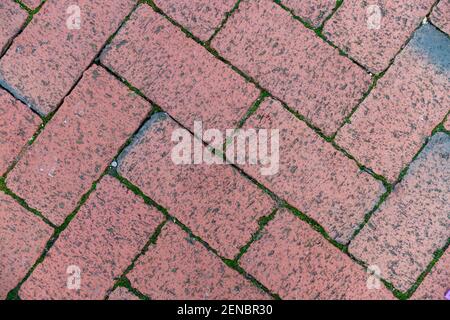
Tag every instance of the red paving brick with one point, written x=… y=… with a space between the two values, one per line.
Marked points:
x=23 y=237
x=177 y=73
x=122 y=293
x=214 y=201
x=312 y=11
x=392 y=124
x=313 y=176
x=77 y=145
x=200 y=17
x=441 y=16
x=296 y=262
x=373 y=42
x=413 y=223
x=105 y=236
x=178 y=267
x=295 y=65
x=17 y=126
x=32 y=4
x=47 y=58
x=12 y=18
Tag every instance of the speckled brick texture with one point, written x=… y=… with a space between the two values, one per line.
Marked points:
x=177 y=73
x=215 y=201
x=180 y=268
x=289 y=60
x=392 y=124
x=441 y=16
x=200 y=17
x=313 y=12
x=122 y=294
x=83 y=137
x=17 y=126
x=296 y=262
x=374 y=32
x=33 y=4
x=23 y=237
x=313 y=176
x=107 y=233
x=12 y=18
x=50 y=55
x=414 y=222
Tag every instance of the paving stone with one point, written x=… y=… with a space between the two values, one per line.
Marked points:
x=23 y=237
x=177 y=73
x=123 y=294
x=48 y=57
x=77 y=145
x=414 y=222
x=441 y=16
x=105 y=236
x=179 y=268
x=436 y=284
x=412 y=98
x=215 y=201
x=296 y=262
x=312 y=11
x=12 y=18
x=313 y=176
x=17 y=126
x=447 y=123
x=289 y=60
x=200 y=17
x=374 y=32
x=32 y=4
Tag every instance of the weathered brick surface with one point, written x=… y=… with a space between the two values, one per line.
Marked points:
x=447 y=123
x=313 y=176
x=312 y=11
x=295 y=65
x=177 y=267
x=200 y=17
x=177 y=73
x=48 y=57
x=215 y=201
x=22 y=240
x=356 y=29
x=296 y=262
x=122 y=293
x=441 y=16
x=17 y=126
x=12 y=18
x=107 y=233
x=32 y=4
x=391 y=125
x=77 y=145
x=414 y=221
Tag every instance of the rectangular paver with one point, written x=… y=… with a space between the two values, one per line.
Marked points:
x=374 y=32
x=177 y=73
x=412 y=98
x=32 y=4
x=215 y=201
x=180 y=268
x=312 y=11
x=50 y=55
x=414 y=222
x=12 y=18
x=107 y=233
x=122 y=294
x=77 y=145
x=292 y=62
x=23 y=237
x=296 y=262
x=441 y=16
x=313 y=176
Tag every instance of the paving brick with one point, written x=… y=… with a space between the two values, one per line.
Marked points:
x=122 y=293
x=32 y=4
x=437 y=282
x=290 y=61
x=441 y=16
x=392 y=124
x=374 y=41
x=414 y=222
x=105 y=236
x=312 y=11
x=215 y=201
x=77 y=145
x=447 y=123
x=200 y=17
x=313 y=176
x=17 y=126
x=12 y=18
x=179 y=268
x=48 y=57
x=296 y=262
x=177 y=73
x=23 y=237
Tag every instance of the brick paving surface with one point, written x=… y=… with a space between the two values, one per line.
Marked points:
x=343 y=188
